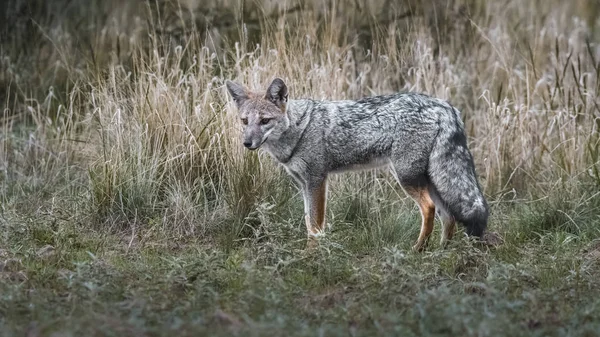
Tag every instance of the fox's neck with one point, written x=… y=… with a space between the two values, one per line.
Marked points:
x=299 y=112
x=283 y=148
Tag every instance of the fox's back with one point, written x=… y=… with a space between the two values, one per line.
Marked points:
x=364 y=132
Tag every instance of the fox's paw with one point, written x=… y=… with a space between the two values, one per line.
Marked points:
x=312 y=241
x=312 y=244
x=419 y=247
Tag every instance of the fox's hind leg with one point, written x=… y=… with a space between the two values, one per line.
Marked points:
x=427 y=208
x=409 y=166
x=448 y=221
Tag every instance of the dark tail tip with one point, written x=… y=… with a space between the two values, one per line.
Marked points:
x=475 y=228
x=476 y=224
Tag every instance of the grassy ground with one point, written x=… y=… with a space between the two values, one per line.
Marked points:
x=59 y=275
x=129 y=207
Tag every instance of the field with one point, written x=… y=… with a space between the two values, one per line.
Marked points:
x=129 y=207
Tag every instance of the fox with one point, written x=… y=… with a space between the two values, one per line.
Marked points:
x=421 y=139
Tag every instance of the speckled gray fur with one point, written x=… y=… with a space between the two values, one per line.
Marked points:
x=421 y=138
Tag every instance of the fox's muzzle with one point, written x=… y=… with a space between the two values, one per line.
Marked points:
x=249 y=145
x=253 y=137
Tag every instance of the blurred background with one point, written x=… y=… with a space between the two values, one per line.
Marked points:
x=84 y=77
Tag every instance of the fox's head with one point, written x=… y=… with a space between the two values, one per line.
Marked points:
x=263 y=115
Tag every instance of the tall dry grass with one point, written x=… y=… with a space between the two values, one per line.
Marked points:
x=125 y=105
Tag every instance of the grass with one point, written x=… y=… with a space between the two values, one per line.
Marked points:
x=359 y=282
x=128 y=205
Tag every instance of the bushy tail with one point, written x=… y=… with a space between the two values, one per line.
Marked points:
x=452 y=173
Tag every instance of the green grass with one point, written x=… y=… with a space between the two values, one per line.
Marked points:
x=60 y=276
x=128 y=206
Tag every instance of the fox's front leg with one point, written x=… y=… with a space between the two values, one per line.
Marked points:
x=315 y=201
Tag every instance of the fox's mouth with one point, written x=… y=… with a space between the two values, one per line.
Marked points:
x=252 y=148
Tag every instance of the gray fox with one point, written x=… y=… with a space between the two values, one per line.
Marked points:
x=420 y=138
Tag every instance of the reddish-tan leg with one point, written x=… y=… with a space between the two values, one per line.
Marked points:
x=427 y=207
x=315 y=202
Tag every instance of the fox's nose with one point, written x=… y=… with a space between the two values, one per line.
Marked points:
x=247 y=144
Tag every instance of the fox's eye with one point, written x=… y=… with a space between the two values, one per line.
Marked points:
x=265 y=121
x=245 y=121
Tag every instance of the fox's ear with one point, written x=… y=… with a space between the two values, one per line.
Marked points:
x=237 y=91
x=278 y=93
